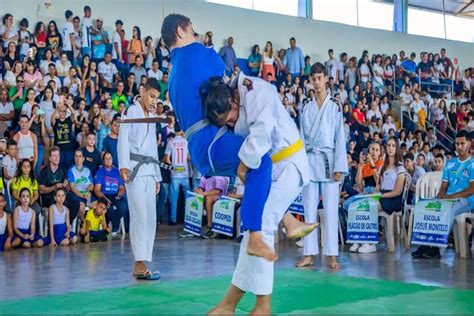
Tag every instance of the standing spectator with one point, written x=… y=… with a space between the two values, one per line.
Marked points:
x=176 y=155
x=135 y=46
x=86 y=30
x=64 y=133
x=9 y=31
x=76 y=44
x=68 y=35
x=294 y=59
x=11 y=59
x=267 y=67
x=254 y=61
x=108 y=72
x=117 y=58
x=109 y=185
x=408 y=67
x=7 y=113
x=364 y=72
x=38 y=128
x=332 y=66
x=425 y=70
x=26 y=141
x=100 y=40
x=229 y=57
x=341 y=68
x=163 y=55
x=378 y=79
x=54 y=39
x=149 y=52
x=25 y=39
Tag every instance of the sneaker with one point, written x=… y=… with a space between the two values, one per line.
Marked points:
x=300 y=243
x=367 y=248
x=354 y=248
x=209 y=234
x=432 y=253
x=418 y=253
x=186 y=235
x=115 y=235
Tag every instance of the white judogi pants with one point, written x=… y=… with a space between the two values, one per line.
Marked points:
x=141 y=193
x=255 y=274
x=311 y=195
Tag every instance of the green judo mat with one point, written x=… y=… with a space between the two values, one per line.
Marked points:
x=296 y=292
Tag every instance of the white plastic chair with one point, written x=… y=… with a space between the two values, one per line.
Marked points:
x=461 y=232
x=122 y=227
x=427 y=186
x=396 y=215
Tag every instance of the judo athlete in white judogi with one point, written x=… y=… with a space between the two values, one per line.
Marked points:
x=139 y=169
x=253 y=108
x=323 y=133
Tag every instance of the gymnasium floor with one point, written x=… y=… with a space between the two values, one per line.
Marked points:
x=91 y=279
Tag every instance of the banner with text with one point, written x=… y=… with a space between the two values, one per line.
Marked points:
x=432 y=222
x=363 y=220
x=193 y=213
x=223 y=216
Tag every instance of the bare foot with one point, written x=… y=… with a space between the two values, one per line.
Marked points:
x=300 y=230
x=256 y=247
x=333 y=264
x=220 y=310
x=139 y=268
x=87 y=238
x=304 y=262
x=260 y=311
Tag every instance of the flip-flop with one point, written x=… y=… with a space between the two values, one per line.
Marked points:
x=149 y=276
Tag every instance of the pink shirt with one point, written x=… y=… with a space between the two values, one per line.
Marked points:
x=212 y=183
x=32 y=77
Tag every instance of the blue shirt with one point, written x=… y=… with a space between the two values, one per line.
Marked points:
x=459 y=175
x=229 y=57
x=192 y=65
x=81 y=178
x=255 y=59
x=294 y=60
x=409 y=65
x=109 y=180
x=110 y=144
x=98 y=51
x=101 y=135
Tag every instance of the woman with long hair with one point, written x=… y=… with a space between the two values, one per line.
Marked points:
x=208 y=40
x=149 y=52
x=254 y=61
x=40 y=38
x=53 y=38
x=163 y=55
x=47 y=59
x=267 y=65
x=135 y=45
x=33 y=77
x=11 y=76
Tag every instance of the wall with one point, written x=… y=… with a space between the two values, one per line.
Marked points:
x=246 y=26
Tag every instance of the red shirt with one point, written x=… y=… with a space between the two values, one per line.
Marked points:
x=360 y=116
x=41 y=37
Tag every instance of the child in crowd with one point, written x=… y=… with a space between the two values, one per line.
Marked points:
x=95 y=227
x=6 y=226
x=24 y=223
x=59 y=227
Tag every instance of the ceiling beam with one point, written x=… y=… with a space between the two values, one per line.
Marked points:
x=464 y=7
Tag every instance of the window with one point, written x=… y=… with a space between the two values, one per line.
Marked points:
x=341 y=11
x=286 y=7
x=425 y=23
x=460 y=29
x=375 y=15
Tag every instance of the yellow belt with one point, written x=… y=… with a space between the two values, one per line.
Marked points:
x=288 y=151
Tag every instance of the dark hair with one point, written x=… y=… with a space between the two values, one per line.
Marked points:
x=38 y=28
x=106 y=153
x=68 y=14
x=409 y=156
x=27 y=190
x=318 y=68
x=19 y=172
x=292 y=39
x=139 y=33
x=53 y=149
x=398 y=155
x=463 y=133
x=103 y=201
x=48 y=31
x=170 y=25
x=148 y=38
x=87 y=8
x=215 y=96
x=152 y=83
x=254 y=50
x=60 y=189
x=24 y=22
x=76 y=18
x=6 y=17
x=118 y=22
x=439 y=156
x=11 y=142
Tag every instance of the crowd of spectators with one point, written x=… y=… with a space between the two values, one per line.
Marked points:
x=63 y=90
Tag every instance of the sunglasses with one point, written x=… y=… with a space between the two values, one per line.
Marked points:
x=20 y=81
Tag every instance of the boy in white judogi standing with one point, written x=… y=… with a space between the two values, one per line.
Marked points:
x=322 y=129
x=253 y=108
x=139 y=169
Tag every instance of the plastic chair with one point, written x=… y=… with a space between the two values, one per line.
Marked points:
x=461 y=232
x=427 y=186
x=396 y=215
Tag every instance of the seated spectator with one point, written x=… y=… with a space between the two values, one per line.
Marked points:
x=6 y=226
x=363 y=141
x=93 y=227
x=211 y=188
x=457 y=183
x=54 y=177
x=108 y=185
x=24 y=223
x=131 y=88
x=421 y=160
x=60 y=233
x=415 y=172
x=62 y=66
x=359 y=117
x=155 y=71
x=163 y=85
x=108 y=72
x=110 y=142
x=91 y=154
x=25 y=178
x=119 y=96
x=33 y=77
x=81 y=182
x=138 y=70
x=72 y=82
x=439 y=162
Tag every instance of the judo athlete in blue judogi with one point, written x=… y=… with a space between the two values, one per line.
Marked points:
x=213 y=149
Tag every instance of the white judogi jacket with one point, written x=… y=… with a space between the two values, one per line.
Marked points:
x=266 y=124
x=138 y=138
x=322 y=130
